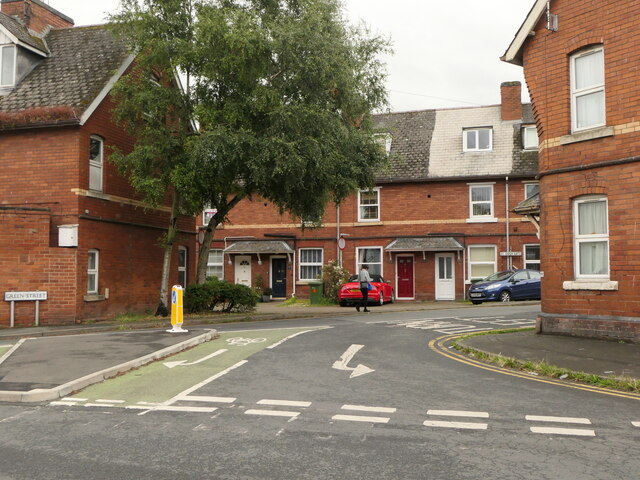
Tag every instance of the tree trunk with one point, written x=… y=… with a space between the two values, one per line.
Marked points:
x=214 y=221
x=162 y=309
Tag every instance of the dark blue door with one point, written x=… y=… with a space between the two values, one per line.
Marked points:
x=279 y=277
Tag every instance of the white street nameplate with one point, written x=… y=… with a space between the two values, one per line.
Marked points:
x=24 y=296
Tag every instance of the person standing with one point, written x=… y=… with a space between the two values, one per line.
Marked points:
x=365 y=280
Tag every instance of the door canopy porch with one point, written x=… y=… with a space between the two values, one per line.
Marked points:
x=424 y=245
x=257 y=247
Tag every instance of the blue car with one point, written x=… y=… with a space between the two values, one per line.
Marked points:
x=506 y=286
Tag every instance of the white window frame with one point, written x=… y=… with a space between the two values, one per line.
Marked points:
x=220 y=264
x=526 y=262
x=529 y=146
x=93 y=272
x=15 y=62
x=302 y=264
x=384 y=140
x=578 y=238
x=96 y=165
x=530 y=184
x=207 y=213
x=359 y=265
x=576 y=93
x=466 y=148
x=470 y=263
x=182 y=269
x=376 y=190
x=481 y=218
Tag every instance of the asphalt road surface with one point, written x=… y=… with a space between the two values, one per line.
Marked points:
x=353 y=397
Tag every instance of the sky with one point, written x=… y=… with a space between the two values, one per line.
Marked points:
x=445 y=52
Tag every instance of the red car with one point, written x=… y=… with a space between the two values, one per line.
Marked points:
x=381 y=293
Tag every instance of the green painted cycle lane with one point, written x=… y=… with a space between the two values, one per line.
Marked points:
x=162 y=380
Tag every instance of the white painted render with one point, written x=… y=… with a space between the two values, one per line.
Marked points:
x=446 y=158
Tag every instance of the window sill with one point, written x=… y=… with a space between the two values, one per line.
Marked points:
x=482 y=220
x=365 y=223
x=585 y=135
x=590 y=285
x=94 y=298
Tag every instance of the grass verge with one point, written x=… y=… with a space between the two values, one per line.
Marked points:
x=543 y=368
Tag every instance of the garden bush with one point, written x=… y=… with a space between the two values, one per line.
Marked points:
x=219 y=294
x=333 y=276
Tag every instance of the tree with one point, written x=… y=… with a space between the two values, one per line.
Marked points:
x=281 y=91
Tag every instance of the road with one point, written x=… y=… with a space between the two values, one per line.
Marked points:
x=350 y=397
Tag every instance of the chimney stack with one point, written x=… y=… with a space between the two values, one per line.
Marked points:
x=35 y=14
x=511 y=94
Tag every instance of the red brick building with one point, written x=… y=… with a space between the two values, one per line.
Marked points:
x=580 y=63
x=438 y=217
x=71 y=225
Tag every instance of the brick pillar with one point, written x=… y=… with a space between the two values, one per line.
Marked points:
x=511 y=94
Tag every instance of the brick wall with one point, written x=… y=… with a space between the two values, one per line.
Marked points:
x=612 y=24
x=28 y=263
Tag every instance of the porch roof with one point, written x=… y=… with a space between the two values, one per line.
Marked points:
x=424 y=244
x=530 y=206
x=259 y=247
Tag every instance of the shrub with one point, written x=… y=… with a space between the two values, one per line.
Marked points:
x=214 y=293
x=333 y=276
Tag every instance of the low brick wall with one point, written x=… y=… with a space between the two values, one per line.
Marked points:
x=602 y=327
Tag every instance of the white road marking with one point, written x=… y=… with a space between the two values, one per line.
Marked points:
x=63 y=403
x=175 y=408
x=272 y=413
x=200 y=398
x=284 y=403
x=185 y=363
x=363 y=408
x=536 y=418
x=110 y=405
x=280 y=342
x=189 y=390
x=149 y=403
x=635 y=424
x=358 y=418
x=12 y=349
x=136 y=407
x=460 y=425
x=564 y=431
x=103 y=400
x=346 y=357
x=458 y=413
x=74 y=399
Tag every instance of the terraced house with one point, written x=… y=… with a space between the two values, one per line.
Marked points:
x=72 y=228
x=438 y=218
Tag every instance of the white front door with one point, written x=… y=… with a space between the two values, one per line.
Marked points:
x=445 y=277
x=243 y=270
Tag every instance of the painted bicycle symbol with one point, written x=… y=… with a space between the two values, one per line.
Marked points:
x=243 y=342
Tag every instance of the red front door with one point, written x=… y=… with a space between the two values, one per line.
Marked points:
x=405 y=277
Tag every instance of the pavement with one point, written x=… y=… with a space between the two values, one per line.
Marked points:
x=39 y=364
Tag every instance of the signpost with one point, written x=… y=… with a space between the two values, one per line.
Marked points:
x=13 y=297
x=176 y=310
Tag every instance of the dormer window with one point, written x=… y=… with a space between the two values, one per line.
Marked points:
x=7 y=65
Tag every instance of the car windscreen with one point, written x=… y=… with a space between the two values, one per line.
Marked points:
x=374 y=278
x=498 y=276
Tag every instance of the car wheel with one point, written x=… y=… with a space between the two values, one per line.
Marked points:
x=393 y=297
x=476 y=302
x=381 y=299
x=505 y=296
